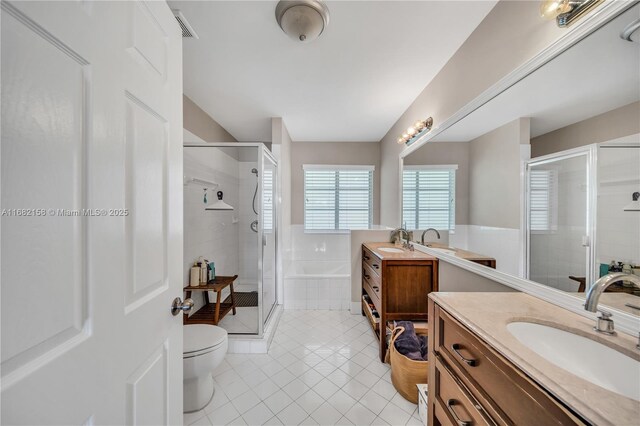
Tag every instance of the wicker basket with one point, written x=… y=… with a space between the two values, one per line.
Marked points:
x=405 y=372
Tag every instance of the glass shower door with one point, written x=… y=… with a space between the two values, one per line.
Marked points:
x=268 y=215
x=558 y=221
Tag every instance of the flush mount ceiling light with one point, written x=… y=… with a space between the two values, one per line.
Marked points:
x=565 y=12
x=302 y=20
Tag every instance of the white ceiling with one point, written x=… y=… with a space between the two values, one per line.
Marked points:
x=351 y=84
x=600 y=73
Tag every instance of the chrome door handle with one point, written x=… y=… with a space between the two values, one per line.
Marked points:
x=179 y=306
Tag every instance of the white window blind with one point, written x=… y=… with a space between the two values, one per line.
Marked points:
x=267 y=200
x=543 y=200
x=337 y=197
x=428 y=197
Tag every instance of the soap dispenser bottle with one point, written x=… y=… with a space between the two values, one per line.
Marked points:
x=194 y=277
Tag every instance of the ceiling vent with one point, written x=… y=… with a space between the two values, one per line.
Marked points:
x=187 y=29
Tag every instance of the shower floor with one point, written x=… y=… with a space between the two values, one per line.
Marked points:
x=244 y=321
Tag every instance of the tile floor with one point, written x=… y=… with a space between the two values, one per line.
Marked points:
x=322 y=369
x=244 y=321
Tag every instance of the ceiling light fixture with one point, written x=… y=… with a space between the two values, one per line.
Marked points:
x=565 y=12
x=414 y=132
x=302 y=20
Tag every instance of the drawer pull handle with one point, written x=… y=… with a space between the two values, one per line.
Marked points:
x=366 y=275
x=366 y=257
x=375 y=265
x=375 y=287
x=450 y=404
x=470 y=362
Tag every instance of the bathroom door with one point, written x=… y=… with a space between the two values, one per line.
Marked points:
x=92 y=213
x=268 y=236
x=558 y=220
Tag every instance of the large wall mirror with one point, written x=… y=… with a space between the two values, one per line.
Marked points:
x=538 y=182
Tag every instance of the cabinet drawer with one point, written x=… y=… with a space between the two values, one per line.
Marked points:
x=371 y=260
x=370 y=275
x=457 y=404
x=505 y=392
x=373 y=290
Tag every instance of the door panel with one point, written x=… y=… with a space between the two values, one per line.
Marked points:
x=91 y=119
x=46 y=153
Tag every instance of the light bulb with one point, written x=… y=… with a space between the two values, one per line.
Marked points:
x=411 y=131
x=549 y=9
x=400 y=140
x=405 y=136
x=419 y=125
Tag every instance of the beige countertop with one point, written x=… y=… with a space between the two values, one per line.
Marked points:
x=406 y=254
x=487 y=315
x=463 y=254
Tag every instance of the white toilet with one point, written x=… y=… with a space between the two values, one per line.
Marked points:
x=204 y=349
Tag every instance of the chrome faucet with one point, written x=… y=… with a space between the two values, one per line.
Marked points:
x=604 y=323
x=427 y=230
x=400 y=231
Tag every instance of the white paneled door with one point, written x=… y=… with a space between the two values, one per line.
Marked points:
x=91 y=213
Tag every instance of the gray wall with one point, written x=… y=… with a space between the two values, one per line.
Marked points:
x=510 y=35
x=623 y=121
x=434 y=153
x=201 y=124
x=494 y=175
x=345 y=153
x=454 y=278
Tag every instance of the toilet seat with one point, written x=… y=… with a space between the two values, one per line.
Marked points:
x=200 y=339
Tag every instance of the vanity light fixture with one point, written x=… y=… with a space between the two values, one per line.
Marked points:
x=634 y=205
x=565 y=12
x=302 y=20
x=414 y=132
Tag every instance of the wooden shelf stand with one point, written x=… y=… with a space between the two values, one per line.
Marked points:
x=212 y=312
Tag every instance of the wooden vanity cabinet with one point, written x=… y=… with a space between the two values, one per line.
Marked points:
x=471 y=384
x=398 y=288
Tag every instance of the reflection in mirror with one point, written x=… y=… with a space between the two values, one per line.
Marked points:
x=543 y=174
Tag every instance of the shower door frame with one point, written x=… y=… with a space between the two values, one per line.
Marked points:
x=591 y=154
x=261 y=237
x=262 y=152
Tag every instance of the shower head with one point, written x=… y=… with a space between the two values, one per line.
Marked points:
x=255 y=172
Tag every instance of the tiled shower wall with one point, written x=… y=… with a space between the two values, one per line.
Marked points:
x=211 y=234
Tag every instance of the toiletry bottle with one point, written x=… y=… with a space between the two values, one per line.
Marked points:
x=204 y=273
x=194 y=278
x=212 y=272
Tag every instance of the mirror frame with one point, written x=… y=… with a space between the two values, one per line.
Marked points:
x=625 y=322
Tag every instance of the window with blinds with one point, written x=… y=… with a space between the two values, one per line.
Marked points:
x=267 y=200
x=337 y=197
x=543 y=192
x=428 y=197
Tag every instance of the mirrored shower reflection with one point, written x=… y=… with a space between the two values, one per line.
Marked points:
x=241 y=241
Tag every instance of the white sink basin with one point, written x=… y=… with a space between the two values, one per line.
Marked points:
x=443 y=250
x=391 y=250
x=586 y=358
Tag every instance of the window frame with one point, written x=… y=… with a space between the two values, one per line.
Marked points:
x=451 y=168
x=370 y=169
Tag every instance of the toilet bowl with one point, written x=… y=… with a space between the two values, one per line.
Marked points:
x=204 y=349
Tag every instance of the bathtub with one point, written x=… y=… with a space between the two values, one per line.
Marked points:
x=319 y=269
x=322 y=284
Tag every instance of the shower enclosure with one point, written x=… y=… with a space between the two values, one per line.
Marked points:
x=239 y=236
x=577 y=214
